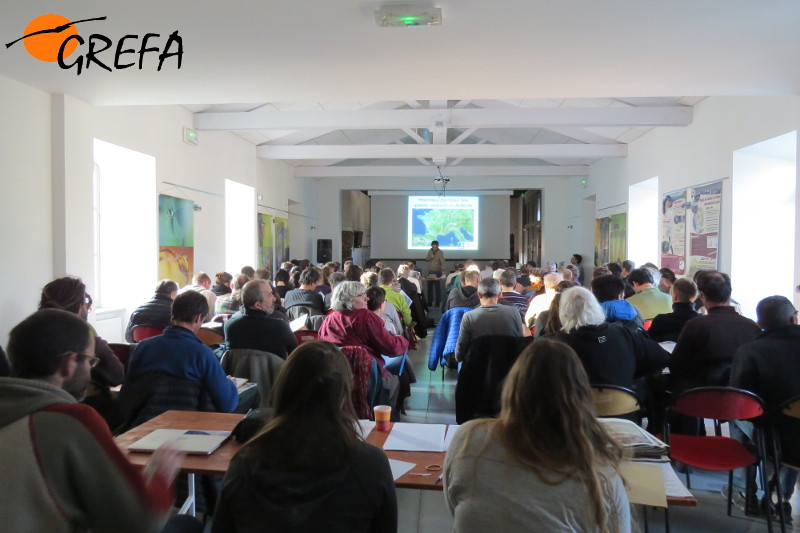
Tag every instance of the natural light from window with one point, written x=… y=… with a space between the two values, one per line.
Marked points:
x=643 y=209
x=240 y=226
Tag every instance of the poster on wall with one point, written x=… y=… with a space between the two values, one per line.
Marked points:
x=703 y=218
x=610 y=239
x=673 y=231
x=266 y=247
x=281 y=240
x=175 y=239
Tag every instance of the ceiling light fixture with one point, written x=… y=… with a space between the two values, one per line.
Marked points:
x=408 y=16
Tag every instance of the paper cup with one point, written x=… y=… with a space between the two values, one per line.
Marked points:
x=382 y=415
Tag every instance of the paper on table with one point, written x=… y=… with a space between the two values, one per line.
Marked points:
x=645 y=483
x=364 y=427
x=451 y=432
x=673 y=484
x=416 y=437
x=399 y=468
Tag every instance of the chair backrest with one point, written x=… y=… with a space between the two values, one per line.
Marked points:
x=361 y=362
x=613 y=401
x=721 y=403
x=647 y=324
x=209 y=337
x=141 y=333
x=305 y=336
x=791 y=407
x=122 y=351
x=259 y=367
x=481 y=377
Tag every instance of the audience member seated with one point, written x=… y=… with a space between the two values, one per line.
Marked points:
x=376 y=302
x=180 y=354
x=334 y=279
x=303 y=300
x=62 y=470
x=201 y=283
x=648 y=299
x=668 y=326
x=387 y=281
x=417 y=307
x=288 y=479
x=251 y=273
x=389 y=313
x=353 y=272
x=352 y=324
x=223 y=283
x=611 y=354
x=324 y=287
x=228 y=304
x=548 y=321
x=282 y=282
x=261 y=273
x=508 y=280
x=69 y=294
x=705 y=348
x=542 y=302
x=465 y=295
x=667 y=280
x=609 y=291
x=546 y=464
x=154 y=313
x=255 y=328
x=770 y=367
x=488 y=319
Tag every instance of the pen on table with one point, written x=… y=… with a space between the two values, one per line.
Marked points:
x=438 y=479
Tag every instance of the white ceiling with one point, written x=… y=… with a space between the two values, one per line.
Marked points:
x=518 y=84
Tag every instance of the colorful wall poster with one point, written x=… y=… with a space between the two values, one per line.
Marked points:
x=610 y=238
x=281 y=240
x=673 y=231
x=266 y=247
x=703 y=218
x=601 y=241
x=175 y=239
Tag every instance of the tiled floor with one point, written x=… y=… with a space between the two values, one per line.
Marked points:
x=433 y=400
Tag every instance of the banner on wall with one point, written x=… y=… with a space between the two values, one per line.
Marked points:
x=281 y=240
x=175 y=239
x=673 y=231
x=266 y=246
x=610 y=239
x=703 y=218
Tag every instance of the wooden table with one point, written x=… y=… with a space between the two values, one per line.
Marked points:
x=421 y=459
x=217 y=463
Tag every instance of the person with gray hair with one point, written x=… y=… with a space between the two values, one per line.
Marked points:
x=254 y=326
x=770 y=367
x=154 y=313
x=542 y=302
x=611 y=354
x=490 y=318
x=333 y=280
x=352 y=324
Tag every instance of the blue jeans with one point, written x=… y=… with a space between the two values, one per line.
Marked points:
x=743 y=432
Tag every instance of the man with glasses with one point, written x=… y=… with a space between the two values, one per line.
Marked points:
x=61 y=469
x=255 y=327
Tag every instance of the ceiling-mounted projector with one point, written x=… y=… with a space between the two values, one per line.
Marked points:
x=397 y=16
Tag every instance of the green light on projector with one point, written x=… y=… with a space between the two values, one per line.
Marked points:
x=410 y=20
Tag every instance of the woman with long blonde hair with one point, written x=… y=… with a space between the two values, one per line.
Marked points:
x=546 y=464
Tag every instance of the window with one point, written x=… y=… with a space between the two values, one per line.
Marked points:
x=240 y=226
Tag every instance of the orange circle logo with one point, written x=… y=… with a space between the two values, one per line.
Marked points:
x=45 y=46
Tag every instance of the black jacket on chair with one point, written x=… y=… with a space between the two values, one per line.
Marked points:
x=480 y=380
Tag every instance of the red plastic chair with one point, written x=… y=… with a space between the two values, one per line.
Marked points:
x=141 y=333
x=122 y=351
x=305 y=336
x=718 y=453
x=647 y=324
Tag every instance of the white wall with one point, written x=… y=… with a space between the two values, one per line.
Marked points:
x=698 y=153
x=26 y=201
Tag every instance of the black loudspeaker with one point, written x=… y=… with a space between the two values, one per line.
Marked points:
x=324 y=250
x=358 y=237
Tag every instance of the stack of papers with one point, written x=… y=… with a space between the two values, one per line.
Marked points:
x=416 y=437
x=633 y=437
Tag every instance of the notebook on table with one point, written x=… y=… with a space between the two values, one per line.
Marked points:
x=191 y=441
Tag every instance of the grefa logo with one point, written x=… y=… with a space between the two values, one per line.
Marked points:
x=54 y=38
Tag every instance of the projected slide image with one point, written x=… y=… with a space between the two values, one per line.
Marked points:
x=453 y=221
